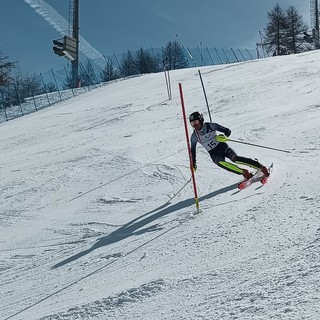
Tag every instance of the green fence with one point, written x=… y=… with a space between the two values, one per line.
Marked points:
x=40 y=91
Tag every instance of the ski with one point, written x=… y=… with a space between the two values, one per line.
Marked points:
x=246 y=183
x=258 y=175
x=264 y=179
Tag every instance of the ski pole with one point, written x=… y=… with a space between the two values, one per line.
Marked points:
x=222 y=138
x=167 y=83
x=188 y=51
x=205 y=95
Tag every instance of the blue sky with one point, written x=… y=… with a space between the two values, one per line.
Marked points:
x=115 y=26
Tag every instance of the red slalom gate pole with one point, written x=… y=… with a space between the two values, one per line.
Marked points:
x=189 y=149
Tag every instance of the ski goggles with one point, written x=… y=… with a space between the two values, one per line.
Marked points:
x=195 y=123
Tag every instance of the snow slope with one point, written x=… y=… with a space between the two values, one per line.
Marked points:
x=98 y=217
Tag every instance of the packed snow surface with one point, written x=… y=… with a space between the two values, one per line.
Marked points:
x=97 y=210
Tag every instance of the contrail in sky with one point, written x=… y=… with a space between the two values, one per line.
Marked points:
x=61 y=25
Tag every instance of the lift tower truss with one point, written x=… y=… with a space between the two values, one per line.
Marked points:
x=68 y=46
x=314 y=21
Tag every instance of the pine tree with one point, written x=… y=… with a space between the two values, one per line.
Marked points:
x=87 y=75
x=276 y=31
x=173 y=56
x=285 y=31
x=30 y=86
x=128 y=65
x=15 y=94
x=296 y=28
x=109 y=72
x=5 y=69
x=68 y=82
x=145 y=62
x=51 y=87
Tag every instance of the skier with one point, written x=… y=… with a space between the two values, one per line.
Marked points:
x=205 y=134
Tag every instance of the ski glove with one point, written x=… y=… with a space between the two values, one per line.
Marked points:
x=221 y=138
x=194 y=167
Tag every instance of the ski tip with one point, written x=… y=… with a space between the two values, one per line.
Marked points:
x=241 y=185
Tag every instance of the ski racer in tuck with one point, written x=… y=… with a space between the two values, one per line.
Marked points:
x=205 y=134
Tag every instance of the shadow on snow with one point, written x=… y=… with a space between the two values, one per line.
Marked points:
x=133 y=227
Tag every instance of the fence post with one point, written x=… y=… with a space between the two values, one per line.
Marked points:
x=226 y=55
x=218 y=55
x=249 y=54
x=55 y=80
x=235 y=55
x=210 y=55
x=17 y=93
x=34 y=102
x=68 y=78
x=45 y=89
x=244 y=59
